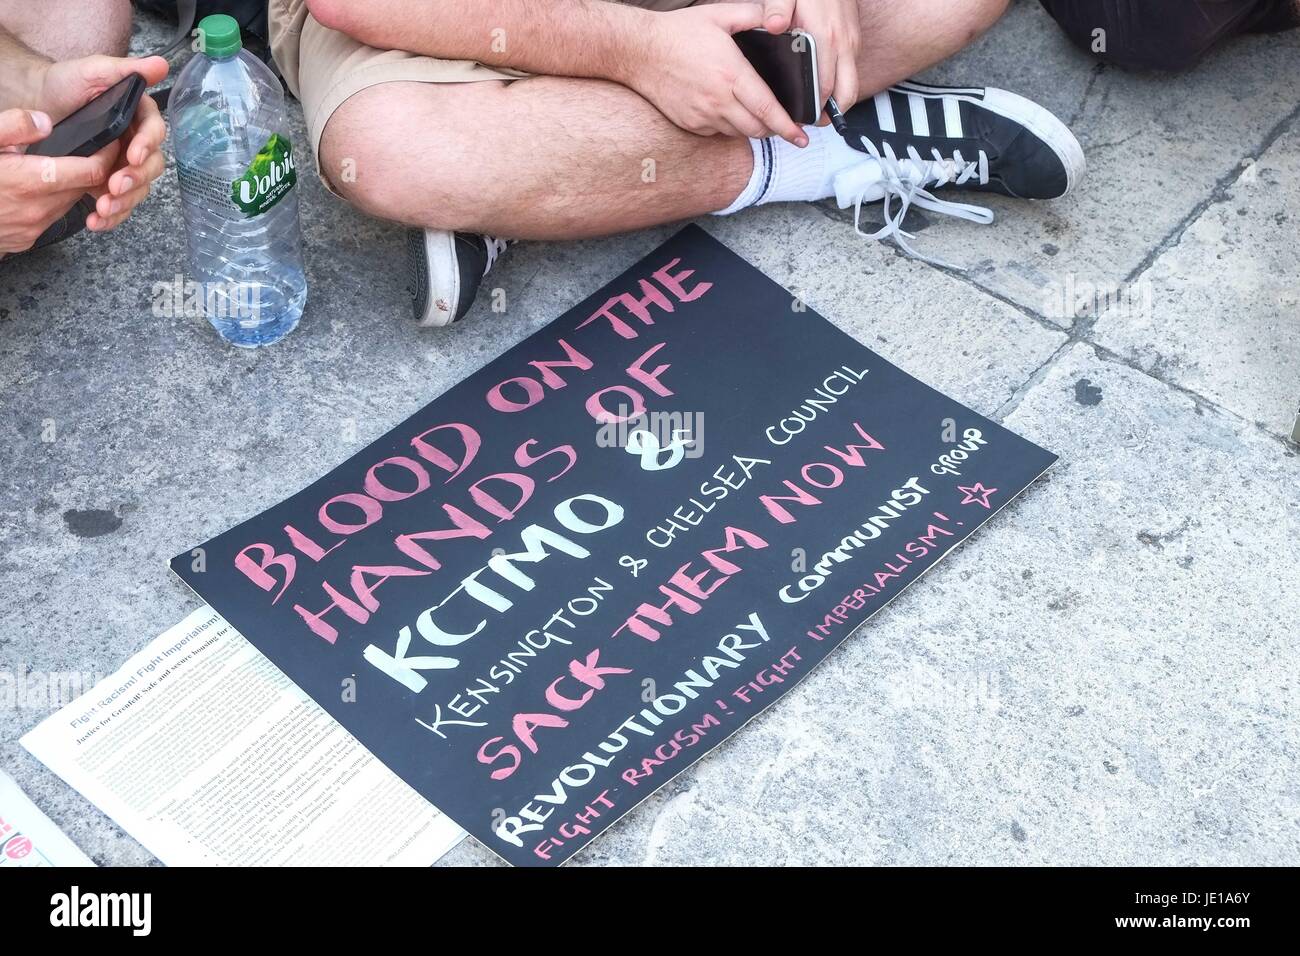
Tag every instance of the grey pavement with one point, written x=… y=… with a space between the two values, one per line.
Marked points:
x=1106 y=675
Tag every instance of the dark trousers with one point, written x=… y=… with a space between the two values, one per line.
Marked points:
x=1165 y=34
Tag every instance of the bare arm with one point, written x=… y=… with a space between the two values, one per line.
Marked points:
x=585 y=38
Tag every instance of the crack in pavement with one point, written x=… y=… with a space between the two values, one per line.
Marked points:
x=1082 y=323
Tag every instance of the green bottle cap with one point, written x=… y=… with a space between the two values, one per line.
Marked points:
x=219 y=35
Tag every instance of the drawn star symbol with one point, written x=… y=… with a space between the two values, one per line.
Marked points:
x=976 y=494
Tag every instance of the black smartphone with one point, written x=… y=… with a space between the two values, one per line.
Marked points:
x=84 y=133
x=787 y=62
x=96 y=124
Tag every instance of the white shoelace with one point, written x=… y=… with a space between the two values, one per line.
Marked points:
x=495 y=247
x=887 y=177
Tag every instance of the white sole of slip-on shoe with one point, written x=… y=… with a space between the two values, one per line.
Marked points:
x=435 y=275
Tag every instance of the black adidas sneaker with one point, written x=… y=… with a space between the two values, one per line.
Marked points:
x=990 y=140
x=446 y=271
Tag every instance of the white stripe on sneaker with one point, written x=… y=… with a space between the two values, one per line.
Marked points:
x=885 y=112
x=952 y=117
x=930 y=89
x=920 y=121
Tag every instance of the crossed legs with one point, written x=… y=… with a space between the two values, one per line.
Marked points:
x=562 y=158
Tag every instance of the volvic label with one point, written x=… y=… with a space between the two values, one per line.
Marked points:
x=268 y=179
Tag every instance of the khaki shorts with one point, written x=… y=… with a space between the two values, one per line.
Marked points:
x=323 y=68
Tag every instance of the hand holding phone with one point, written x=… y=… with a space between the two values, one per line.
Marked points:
x=103 y=120
x=787 y=63
x=686 y=63
x=98 y=123
x=103 y=103
x=836 y=26
x=40 y=196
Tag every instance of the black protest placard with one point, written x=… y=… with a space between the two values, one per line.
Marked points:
x=568 y=578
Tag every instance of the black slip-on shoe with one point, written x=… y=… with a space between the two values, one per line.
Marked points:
x=447 y=269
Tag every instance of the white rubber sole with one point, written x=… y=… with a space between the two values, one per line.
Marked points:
x=1042 y=123
x=438 y=276
x=1038 y=120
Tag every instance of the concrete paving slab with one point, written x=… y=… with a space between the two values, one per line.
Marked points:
x=1156 y=146
x=1219 y=311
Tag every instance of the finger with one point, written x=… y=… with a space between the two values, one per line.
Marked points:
x=846 y=82
x=827 y=62
x=745 y=123
x=777 y=15
x=153 y=68
x=734 y=17
x=108 y=205
x=148 y=131
x=111 y=203
x=761 y=102
x=104 y=71
x=98 y=222
x=23 y=127
x=85 y=173
x=107 y=225
x=115 y=209
x=132 y=177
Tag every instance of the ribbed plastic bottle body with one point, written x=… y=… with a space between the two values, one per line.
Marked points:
x=238 y=174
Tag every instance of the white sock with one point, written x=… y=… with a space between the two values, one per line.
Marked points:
x=785 y=173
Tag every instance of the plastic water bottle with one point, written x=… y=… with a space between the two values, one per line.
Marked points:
x=237 y=175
